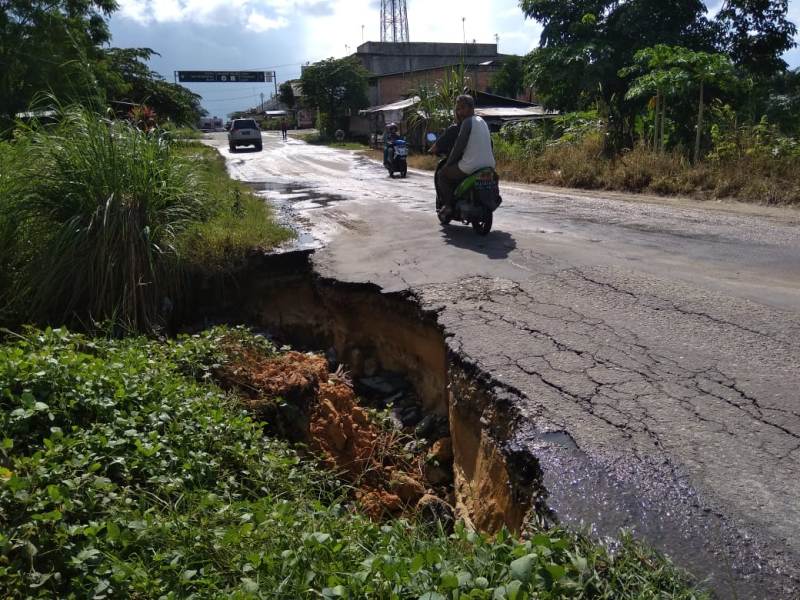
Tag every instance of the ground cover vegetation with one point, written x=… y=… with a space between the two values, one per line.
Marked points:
x=101 y=220
x=127 y=471
x=659 y=97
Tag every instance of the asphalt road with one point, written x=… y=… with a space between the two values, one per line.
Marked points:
x=655 y=343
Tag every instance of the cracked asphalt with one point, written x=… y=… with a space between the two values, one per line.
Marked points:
x=652 y=345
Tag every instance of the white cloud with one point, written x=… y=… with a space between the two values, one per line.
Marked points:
x=254 y=14
x=260 y=23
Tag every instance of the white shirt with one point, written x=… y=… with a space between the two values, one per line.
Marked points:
x=478 y=153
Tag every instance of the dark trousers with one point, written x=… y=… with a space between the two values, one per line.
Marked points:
x=283 y=131
x=447 y=181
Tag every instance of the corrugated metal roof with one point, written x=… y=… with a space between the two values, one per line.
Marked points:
x=401 y=105
x=512 y=112
x=492 y=112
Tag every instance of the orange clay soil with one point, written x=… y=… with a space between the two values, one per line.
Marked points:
x=386 y=482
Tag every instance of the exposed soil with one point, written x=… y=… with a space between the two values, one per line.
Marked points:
x=298 y=397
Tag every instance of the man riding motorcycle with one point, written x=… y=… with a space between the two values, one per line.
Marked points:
x=390 y=135
x=472 y=151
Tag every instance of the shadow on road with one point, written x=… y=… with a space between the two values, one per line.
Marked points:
x=245 y=150
x=496 y=246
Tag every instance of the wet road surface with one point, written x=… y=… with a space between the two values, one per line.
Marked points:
x=655 y=344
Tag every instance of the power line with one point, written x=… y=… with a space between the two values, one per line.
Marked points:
x=229 y=99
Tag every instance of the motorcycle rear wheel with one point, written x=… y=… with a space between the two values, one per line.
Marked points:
x=484 y=225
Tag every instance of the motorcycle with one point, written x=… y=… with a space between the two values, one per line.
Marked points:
x=397 y=158
x=476 y=199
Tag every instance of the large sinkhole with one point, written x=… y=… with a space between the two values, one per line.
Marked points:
x=379 y=339
x=499 y=471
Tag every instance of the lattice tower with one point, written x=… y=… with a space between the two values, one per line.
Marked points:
x=394 y=21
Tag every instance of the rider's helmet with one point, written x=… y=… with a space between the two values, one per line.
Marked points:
x=392 y=127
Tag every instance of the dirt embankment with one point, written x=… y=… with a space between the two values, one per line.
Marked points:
x=392 y=472
x=447 y=448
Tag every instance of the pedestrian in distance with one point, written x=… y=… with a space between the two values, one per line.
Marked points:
x=284 y=128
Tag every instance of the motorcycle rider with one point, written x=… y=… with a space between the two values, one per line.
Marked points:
x=390 y=136
x=472 y=151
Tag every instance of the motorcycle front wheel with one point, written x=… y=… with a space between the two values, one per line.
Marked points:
x=484 y=225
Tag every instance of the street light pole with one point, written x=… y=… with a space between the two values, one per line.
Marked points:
x=464 y=28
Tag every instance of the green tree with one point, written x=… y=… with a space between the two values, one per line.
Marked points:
x=783 y=103
x=286 y=94
x=510 y=79
x=756 y=33
x=336 y=87
x=657 y=80
x=44 y=47
x=585 y=43
x=675 y=71
x=124 y=76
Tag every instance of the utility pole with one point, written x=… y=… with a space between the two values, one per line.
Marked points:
x=362 y=34
x=261 y=107
x=464 y=28
x=497 y=41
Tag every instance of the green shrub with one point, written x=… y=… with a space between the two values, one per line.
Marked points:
x=124 y=473
x=100 y=205
x=749 y=163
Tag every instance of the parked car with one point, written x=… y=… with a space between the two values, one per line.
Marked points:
x=244 y=132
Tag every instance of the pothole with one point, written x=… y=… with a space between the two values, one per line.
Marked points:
x=445 y=451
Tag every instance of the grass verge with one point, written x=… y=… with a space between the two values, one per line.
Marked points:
x=238 y=223
x=749 y=178
x=125 y=472
x=316 y=140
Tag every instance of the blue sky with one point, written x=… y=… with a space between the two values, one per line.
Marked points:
x=281 y=35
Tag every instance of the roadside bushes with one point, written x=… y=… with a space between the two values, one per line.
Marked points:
x=99 y=220
x=754 y=163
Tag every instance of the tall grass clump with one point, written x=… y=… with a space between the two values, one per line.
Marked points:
x=98 y=205
x=8 y=257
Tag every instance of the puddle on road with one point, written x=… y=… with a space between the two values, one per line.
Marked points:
x=295 y=193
